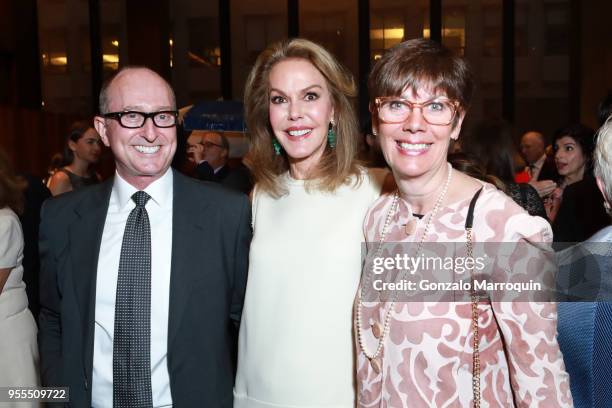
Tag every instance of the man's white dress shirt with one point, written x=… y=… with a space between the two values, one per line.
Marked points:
x=535 y=168
x=159 y=208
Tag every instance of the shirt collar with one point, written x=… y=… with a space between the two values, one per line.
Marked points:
x=160 y=190
x=215 y=171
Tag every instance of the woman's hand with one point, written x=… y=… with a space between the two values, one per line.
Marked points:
x=544 y=187
x=552 y=204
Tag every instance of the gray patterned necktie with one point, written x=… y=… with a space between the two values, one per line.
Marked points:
x=132 y=339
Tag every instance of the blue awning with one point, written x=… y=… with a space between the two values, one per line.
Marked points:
x=224 y=116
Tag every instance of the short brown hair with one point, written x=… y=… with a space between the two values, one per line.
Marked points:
x=418 y=63
x=11 y=186
x=337 y=164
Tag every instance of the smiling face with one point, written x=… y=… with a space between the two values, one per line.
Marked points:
x=414 y=147
x=142 y=155
x=569 y=158
x=300 y=109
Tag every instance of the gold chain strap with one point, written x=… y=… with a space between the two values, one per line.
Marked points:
x=476 y=344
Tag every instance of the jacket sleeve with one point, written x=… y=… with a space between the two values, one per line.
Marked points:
x=241 y=260
x=528 y=322
x=49 y=333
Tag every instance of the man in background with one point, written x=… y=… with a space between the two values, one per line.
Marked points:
x=541 y=168
x=209 y=152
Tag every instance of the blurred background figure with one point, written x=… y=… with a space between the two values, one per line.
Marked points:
x=491 y=142
x=605 y=109
x=56 y=162
x=370 y=154
x=209 y=152
x=574 y=208
x=18 y=345
x=521 y=175
x=81 y=153
x=539 y=166
x=585 y=325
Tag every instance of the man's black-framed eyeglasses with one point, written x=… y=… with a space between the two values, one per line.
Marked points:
x=135 y=119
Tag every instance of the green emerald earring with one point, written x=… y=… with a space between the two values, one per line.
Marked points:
x=331 y=135
x=277 y=147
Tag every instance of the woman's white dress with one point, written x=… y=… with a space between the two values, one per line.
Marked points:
x=296 y=342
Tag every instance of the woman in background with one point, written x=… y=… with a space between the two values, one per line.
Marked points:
x=18 y=345
x=490 y=142
x=296 y=346
x=81 y=153
x=574 y=208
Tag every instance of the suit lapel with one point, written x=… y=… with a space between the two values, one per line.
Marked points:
x=188 y=226
x=222 y=173
x=85 y=235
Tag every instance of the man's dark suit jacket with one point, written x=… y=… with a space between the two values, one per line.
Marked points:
x=581 y=213
x=238 y=178
x=35 y=194
x=211 y=235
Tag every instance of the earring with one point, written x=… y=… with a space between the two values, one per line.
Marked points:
x=607 y=207
x=331 y=135
x=277 y=147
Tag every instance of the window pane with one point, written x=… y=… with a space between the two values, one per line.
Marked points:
x=474 y=29
x=111 y=48
x=542 y=65
x=453 y=26
x=392 y=22
x=63 y=34
x=333 y=24
x=557 y=24
x=204 y=49
x=195 y=51
x=113 y=38
x=54 y=50
x=255 y=25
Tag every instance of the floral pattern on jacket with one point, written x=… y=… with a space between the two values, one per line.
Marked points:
x=427 y=355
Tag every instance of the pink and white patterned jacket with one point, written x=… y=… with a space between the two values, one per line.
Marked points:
x=427 y=356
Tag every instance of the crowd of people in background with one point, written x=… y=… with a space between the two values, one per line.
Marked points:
x=255 y=279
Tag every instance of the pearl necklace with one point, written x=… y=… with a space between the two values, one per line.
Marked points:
x=372 y=357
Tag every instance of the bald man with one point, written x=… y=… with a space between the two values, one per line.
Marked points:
x=542 y=170
x=209 y=152
x=142 y=276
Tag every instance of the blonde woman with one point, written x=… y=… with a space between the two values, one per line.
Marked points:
x=310 y=197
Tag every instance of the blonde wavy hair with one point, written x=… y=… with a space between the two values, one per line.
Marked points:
x=338 y=164
x=603 y=158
